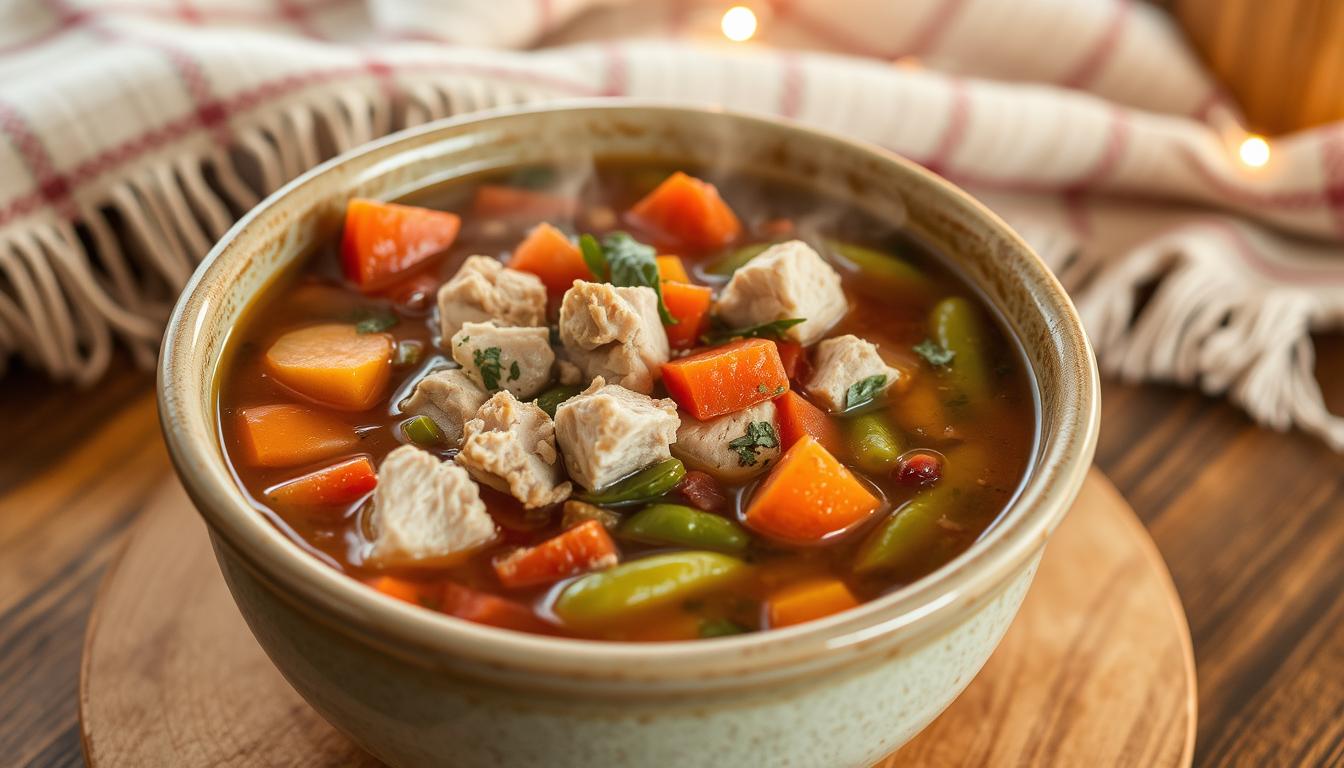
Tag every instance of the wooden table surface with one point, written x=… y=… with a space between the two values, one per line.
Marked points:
x=1251 y=523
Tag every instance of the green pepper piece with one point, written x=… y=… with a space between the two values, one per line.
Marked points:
x=686 y=527
x=720 y=628
x=651 y=582
x=890 y=271
x=645 y=485
x=956 y=326
x=551 y=399
x=874 y=443
x=737 y=259
x=905 y=537
x=422 y=430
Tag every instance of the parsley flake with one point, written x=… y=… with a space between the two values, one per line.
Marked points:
x=625 y=262
x=865 y=390
x=374 y=320
x=935 y=353
x=759 y=434
x=514 y=373
x=487 y=362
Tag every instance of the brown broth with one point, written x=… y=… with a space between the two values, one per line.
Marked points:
x=987 y=444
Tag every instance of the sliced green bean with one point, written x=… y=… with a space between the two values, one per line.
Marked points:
x=720 y=628
x=551 y=399
x=638 y=585
x=905 y=538
x=422 y=431
x=874 y=442
x=737 y=259
x=645 y=485
x=686 y=527
x=886 y=267
x=408 y=353
x=956 y=326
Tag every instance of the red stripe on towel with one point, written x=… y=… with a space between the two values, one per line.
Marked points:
x=1100 y=54
x=791 y=83
x=954 y=129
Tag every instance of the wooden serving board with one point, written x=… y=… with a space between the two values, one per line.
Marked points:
x=1096 y=669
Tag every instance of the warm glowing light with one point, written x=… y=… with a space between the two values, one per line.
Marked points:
x=739 y=24
x=1254 y=151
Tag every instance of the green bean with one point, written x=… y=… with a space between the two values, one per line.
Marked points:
x=956 y=326
x=579 y=512
x=720 y=628
x=889 y=269
x=422 y=431
x=686 y=527
x=551 y=399
x=905 y=537
x=737 y=259
x=874 y=442
x=408 y=353
x=650 y=582
x=645 y=485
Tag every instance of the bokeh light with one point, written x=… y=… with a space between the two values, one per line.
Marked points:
x=739 y=24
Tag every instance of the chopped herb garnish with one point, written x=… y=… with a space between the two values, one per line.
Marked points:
x=760 y=434
x=864 y=391
x=934 y=352
x=772 y=330
x=720 y=628
x=487 y=362
x=464 y=340
x=625 y=262
x=374 y=320
x=779 y=390
x=762 y=388
x=514 y=373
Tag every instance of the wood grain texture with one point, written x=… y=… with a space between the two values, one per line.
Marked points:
x=1250 y=522
x=1097 y=667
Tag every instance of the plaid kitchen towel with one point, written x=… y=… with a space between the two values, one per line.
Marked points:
x=133 y=132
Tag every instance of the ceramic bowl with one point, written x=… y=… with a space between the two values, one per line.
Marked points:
x=415 y=687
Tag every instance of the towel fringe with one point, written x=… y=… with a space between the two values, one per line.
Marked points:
x=1229 y=331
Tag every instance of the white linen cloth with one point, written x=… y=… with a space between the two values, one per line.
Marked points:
x=133 y=132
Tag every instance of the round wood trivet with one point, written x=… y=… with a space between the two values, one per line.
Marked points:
x=1096 y=669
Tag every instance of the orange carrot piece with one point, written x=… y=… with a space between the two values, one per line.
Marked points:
x=809 y=600
x=413 y=592
x=333 y=364
x=289 y=435
x=797 y=417
x=337 y=485
x=794 y=358
x=689 y=210
x=689 y=304
x=808 y=496
x=483 y=608
x=726 y=378
x=671 y=268
x=549 y=255
x=582 y=548
x=500 y=201
x=382 y=241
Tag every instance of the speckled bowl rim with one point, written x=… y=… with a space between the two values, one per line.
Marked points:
x=894 y=621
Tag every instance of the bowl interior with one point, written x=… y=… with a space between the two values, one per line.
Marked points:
x=289 y=225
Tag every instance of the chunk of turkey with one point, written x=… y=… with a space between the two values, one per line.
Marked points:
x=842 y=362
x=483 y=289
x=522 y=364
x=449 y=398
x=788 y=280
x=607 y=432
x=614 y=333
x=510 y=446
x=426 y=511
x=704 y=445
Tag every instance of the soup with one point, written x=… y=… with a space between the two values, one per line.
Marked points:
x=635 y=407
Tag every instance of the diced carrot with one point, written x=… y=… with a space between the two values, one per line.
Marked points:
x=671 y=268
x=383 y=241
x=809 y=600
x=333 y=364
x=808 y=496
x=288 y=435
x=582 y=548
x=499 y=201
x=339 y=484
x=689 y=304
x=794 y=358
x=689 y=210
x=483 y=608
x=413 y=592
x=549 y=255
x=798 y=417
x=725 y=379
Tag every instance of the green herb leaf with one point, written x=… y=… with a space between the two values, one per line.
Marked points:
x=514 y=373
x=594 y=257
x=633 y=263
x=760 y=434
x=374 y=320
x=772 y=330
x=934 y=352
x=487 y=362
x=864 y=391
